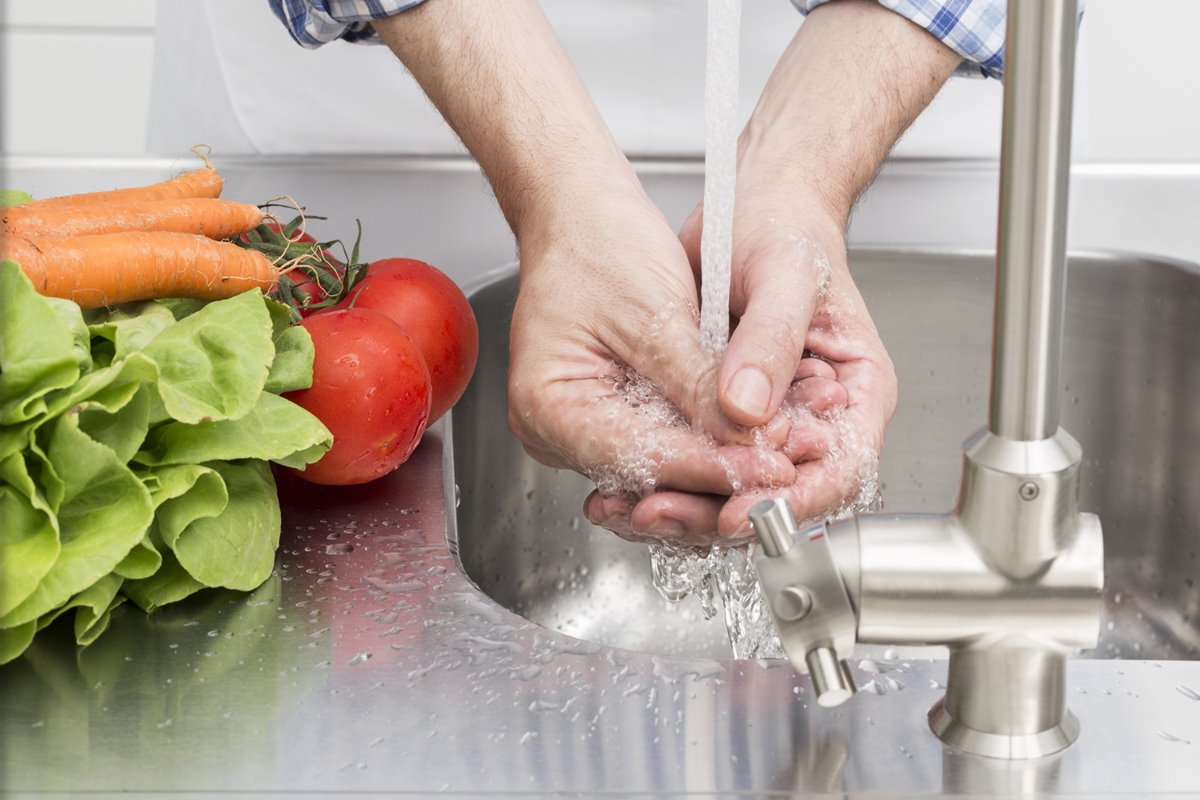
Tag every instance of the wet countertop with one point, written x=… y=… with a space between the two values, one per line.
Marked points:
x=370 y=663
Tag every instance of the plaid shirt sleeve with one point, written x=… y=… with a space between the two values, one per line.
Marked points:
x=313 y=23
x=972 y=28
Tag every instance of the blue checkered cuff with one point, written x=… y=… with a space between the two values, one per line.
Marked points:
x=972 y=28
x=313 y=23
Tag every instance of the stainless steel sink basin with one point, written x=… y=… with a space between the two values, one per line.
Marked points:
x=1131 y=379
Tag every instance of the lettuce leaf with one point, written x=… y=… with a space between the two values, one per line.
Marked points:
x=213 y=364
x=134 y=449
x=37 y=353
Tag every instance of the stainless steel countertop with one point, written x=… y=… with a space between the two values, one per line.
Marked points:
x=369 y=663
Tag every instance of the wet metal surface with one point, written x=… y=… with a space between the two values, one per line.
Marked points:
x=1131 y=375
x=370 y=663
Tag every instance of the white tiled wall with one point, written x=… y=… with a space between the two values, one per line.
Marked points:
x=75 y=75
x=76 y=78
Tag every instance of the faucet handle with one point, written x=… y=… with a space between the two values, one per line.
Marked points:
x=807 y=598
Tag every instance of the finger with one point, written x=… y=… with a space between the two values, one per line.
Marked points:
x=675 y=518
x=818 y=494
x=689 y=519
x=612 y=512
x=810 y=437
x=846 y=477
x=780 y=289
x=818 y=395
x=668 y=359
x=813 y=367
x=632 y=443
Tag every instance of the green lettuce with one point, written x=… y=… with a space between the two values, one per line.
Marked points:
x=134 y=450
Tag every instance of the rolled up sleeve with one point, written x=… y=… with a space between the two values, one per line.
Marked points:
x=972 y=28
x=313 y=23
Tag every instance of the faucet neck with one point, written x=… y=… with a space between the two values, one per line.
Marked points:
x=1035 y=155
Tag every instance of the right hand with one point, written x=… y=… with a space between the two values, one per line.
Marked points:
x=794 y=298
x=609 y=291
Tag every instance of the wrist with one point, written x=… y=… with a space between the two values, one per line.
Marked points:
x=793 y=178
x=554 y=197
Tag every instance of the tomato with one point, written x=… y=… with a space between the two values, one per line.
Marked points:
x=370 y=388
x=434 y=312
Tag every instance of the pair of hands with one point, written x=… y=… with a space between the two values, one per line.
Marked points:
x=608 y=376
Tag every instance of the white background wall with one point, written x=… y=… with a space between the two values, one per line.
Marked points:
x=76 y=78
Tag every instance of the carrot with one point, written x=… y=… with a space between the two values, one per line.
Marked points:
x=111 y=268
x=203 y=182
x=216 y=219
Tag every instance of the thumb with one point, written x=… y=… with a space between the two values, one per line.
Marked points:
x=759 y=365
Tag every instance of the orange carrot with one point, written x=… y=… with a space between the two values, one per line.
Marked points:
x=203 y=182
x=111 y=268
x=216 y=219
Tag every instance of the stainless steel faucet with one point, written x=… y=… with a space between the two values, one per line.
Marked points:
x=1011 y=579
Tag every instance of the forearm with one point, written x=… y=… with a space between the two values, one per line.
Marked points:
x=852 y=80
x=498 y=75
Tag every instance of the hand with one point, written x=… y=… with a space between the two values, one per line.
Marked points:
x=607 y=376
x=804 y=327
x=815 y=358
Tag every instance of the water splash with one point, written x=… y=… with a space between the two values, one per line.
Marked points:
x=727 y=574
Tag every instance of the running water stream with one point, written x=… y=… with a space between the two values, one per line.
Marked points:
x=727 y=573
x=720 y=165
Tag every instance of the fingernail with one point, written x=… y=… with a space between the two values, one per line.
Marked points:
x=750 y=391
x=666 y=528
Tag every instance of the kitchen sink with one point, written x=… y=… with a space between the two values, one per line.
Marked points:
x=1131 y=372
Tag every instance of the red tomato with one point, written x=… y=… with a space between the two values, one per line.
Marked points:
x=434 y=312
x=370 y=388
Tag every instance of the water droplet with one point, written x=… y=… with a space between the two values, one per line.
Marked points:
x=1190 y=694
x=1168 y=737
x=339 y=549
x=360 y=658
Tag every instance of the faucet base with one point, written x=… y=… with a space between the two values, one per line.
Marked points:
x=996 y=745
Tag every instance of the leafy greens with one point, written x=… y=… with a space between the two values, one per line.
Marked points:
x=134 y=449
